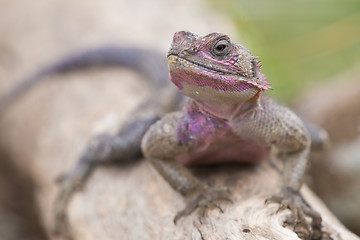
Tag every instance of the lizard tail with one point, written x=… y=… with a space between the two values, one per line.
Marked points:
x=149 y=63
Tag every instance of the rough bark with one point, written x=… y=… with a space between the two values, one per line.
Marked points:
x=133 y=202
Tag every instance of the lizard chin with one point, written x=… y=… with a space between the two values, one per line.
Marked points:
x=219 y=94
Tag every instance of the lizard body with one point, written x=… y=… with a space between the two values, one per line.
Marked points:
x=226 y=118
x=213 y=140
x=225 y=84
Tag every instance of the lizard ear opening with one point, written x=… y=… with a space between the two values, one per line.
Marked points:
x=256 y=69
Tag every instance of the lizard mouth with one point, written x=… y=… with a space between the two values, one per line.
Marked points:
x=212 y=68
x=226 y=75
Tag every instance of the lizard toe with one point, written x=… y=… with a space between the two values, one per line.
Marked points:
x=300 y=210
x=204 y=201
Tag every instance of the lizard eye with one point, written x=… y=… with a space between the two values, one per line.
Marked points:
x=221 y=48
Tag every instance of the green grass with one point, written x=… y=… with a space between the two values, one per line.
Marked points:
x=298 y=41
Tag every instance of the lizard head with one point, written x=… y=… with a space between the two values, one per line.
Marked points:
x=212 y=68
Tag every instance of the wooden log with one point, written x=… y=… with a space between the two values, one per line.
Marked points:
x=134 y=202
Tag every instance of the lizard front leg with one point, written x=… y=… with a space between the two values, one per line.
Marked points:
x=161 y=147
x=276 y=126
x=290 y=197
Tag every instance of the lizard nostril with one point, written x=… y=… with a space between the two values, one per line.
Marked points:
x=193 y=50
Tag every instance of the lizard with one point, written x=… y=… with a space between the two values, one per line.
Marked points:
x=226 y=114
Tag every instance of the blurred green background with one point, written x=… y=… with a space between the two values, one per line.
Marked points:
x=300 y=42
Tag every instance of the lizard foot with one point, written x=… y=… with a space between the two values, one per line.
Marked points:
x=203 y=201
x=300 y=209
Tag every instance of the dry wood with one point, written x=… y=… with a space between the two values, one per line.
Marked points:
x=135 y=202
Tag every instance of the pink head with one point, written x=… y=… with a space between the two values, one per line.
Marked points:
x=213 y=62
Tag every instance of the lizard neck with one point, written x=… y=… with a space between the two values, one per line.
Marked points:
x=222 y=104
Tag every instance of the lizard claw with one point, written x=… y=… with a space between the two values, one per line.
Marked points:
x=300 y=209
x=203 y=201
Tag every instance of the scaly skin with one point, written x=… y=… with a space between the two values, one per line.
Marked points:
x=227 y=119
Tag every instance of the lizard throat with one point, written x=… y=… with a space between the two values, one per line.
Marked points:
x=219 y=94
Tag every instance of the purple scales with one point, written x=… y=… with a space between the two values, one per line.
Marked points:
x=213 y=141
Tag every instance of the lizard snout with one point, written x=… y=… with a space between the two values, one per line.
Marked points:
x=173 y=52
